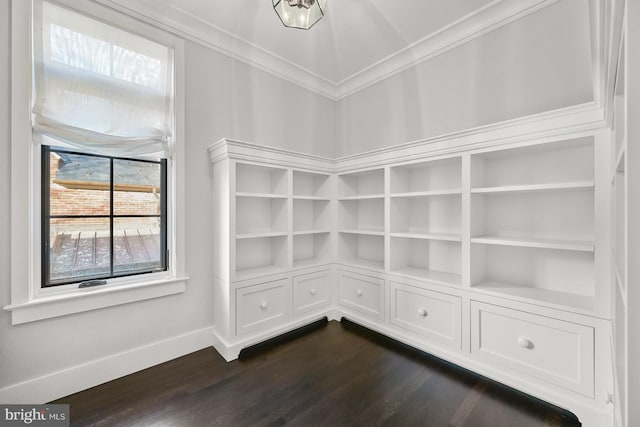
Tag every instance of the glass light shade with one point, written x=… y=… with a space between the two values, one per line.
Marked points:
x=301 y=14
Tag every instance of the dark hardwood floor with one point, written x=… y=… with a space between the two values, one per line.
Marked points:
x=338 y=374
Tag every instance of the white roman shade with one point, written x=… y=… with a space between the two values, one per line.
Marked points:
x=99 y=88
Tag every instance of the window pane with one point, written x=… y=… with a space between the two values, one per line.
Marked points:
x=136 y=188
x=136 y=244
x=79 y=248
x=79 y=185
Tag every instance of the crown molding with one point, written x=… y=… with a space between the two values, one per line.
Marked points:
x=574 y=122
x=191 y=27
x=472 y=26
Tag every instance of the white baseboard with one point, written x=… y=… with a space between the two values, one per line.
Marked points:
x=77 y=378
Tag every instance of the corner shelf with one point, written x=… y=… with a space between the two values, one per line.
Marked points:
x=311 y=231
x=361 y=231
x=363 y=263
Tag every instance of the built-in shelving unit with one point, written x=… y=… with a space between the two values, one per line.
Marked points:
x=479 y=253
x=532 y=222
x=361 y=218
x=261 y=219
x=425 y=220
x=311 y=218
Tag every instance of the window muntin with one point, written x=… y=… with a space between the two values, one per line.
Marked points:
x=102 y=217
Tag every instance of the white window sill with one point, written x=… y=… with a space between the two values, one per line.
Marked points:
x=80 y=300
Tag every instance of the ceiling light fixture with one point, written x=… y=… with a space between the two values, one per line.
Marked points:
x=301 y=14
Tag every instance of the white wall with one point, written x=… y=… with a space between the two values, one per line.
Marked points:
x=538 y=63
x=223 y=98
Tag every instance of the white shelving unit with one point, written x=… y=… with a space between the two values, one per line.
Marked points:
x=361 y=210
x=261 y=205
x=312 y=223
x=435 y=250
x=532 y=222
x=425 y=220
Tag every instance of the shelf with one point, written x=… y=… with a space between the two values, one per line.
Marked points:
x=361 y=231
x=547 y=296
x=431 y=177
x=310 y=185
x=312 y=262
x=260 y=234
x=447 y=192
x=562 y=186
x=439 y=277
x=261 y=195
x=428 y=236
x=364 y=263
x=319 y=198
x=307 y=232
x=362 y=197
x=248 y=273
x=526 y=242
x=258 y=179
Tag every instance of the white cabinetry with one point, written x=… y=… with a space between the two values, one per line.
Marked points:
x=273 y=245
x=536 y=346
x=493 y=255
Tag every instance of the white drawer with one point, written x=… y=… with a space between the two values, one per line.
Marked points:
x=261 y=307
x=549 y=349
x=310 y=291
x=362 y=293
x=432 y=314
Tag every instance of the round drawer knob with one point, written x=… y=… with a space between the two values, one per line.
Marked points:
x=264 y=305
x=423 y=312
x=312 y=291
x=359 y=292
x=525 y=343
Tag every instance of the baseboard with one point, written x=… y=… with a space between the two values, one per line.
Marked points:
x=230 y=350
x=77 y=378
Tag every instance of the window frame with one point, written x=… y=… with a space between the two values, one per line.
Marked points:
x=46 y=217
x=29 y=301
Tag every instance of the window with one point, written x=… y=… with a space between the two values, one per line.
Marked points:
x=99 y=89
x=105 y=89
x=102 y=217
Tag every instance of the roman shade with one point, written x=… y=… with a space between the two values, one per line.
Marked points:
x=99 y=88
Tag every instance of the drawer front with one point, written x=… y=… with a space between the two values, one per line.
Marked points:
x=552 y=350
x=310 y=291
x=260 y=307
x=362 y=293
x=432 y=314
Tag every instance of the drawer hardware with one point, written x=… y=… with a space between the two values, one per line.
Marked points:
x=423 y=312
x=359 y=292
x=312 y=291
x=525 y=343
x=264 y=305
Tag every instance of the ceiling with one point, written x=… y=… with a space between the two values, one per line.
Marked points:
x=357 y=43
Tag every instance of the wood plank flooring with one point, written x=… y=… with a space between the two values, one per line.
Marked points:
x=335 y=374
